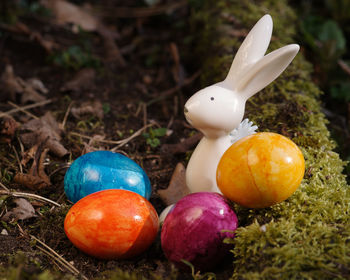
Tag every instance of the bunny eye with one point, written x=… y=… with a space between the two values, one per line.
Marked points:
x=212 y=98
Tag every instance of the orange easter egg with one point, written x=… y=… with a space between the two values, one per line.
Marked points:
x=260 y=170
x=112 y=224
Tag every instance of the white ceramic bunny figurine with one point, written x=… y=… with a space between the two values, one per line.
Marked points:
x=218 y=110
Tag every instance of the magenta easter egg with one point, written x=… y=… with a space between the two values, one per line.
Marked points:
x=194 y=230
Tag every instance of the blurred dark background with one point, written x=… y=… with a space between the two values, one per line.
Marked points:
x=324 y=33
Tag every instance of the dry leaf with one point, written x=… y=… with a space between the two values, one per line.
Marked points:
x=46 y=130
x=8 y=127
x=83 y=80
x=112 y=52
x=31 y=182
x=95 y=108
x=48 y=45
x=177 y=188
x=29 y=90
x=182 y=147
x=24 y=210
x=29 y=93
x=37 y=85
x=88 y=147
x=36 y=178
x=9 y=84
x=29 y=154
x=21 y=28
x=68 y=13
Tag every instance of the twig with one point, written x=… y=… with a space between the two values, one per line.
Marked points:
x=20 y=144
x=122 y=12
x=138 y=110
x=176 y=58
x=59 y=199
x=59 y=169
x=63 y=124
x=127 y=140
x=17 y=158
x=51 y=252
x=4 y=187
x=144 y=109
x=96 y=139
x=22 y=110
x=57 y=261
x=344 y=66
x=21 y=231
x=42 y=103
x=170 y=123
x=171 y=91
x=119 y=142
x=29 y=195
x=176 y=105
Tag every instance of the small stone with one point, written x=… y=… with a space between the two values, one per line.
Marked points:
x=177 y=188
x=24 y=210
x=4 y=232
x=147 y=79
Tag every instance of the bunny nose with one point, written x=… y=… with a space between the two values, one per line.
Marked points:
x=185 y=110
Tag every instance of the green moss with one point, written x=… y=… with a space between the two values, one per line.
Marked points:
x=23 y=267
x=307 y=236
x=119 y=274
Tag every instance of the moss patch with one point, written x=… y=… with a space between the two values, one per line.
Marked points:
x=307 y=236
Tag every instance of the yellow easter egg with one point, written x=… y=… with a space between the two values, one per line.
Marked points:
x=260 y=170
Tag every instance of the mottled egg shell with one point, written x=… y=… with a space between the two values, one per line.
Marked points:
x=112 y=224
x=103 y=170
x=193 y=230
x=260 y=170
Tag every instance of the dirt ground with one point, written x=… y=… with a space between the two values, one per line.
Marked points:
x=128 y=76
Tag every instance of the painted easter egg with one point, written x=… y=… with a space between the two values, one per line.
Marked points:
x=112 y=224
x=260 y=170
x=194 y=230
x=102 y=170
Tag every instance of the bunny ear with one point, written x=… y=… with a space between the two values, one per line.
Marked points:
x=266 y=70
x=252 y=49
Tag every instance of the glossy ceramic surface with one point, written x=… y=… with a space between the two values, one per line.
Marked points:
x=218 y=110
x=112 y=224
x=260 y=170
x=103 y=170
x=192 y=230
x=165 y=213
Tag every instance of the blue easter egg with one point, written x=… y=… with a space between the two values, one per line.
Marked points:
x=102 y=170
